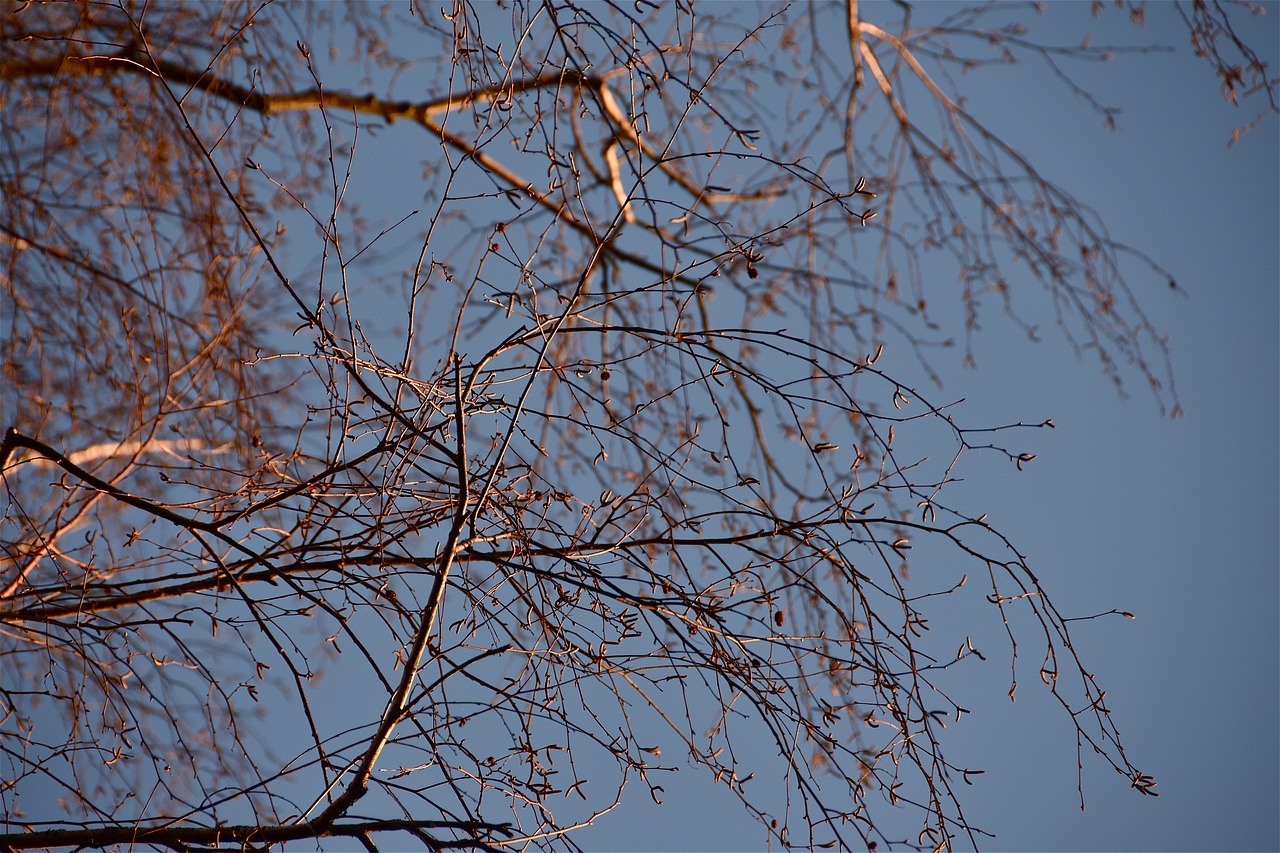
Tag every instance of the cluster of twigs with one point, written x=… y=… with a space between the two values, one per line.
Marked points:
x=454 y=527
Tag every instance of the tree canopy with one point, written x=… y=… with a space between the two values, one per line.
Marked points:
x=469 y=494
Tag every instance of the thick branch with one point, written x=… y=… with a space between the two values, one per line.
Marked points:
x=421 y=112
x=183 y=837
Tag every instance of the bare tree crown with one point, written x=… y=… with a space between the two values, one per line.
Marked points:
x=469 y=494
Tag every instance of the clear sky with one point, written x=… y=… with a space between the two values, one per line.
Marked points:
x=1175 y=521
x=1172 y=520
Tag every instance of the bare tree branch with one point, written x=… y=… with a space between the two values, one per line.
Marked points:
x=615 y=450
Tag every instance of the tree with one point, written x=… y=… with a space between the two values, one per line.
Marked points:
x=331 y=517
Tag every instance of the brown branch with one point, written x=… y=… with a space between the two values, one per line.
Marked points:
x=400 y=699
x=420 y=112
x=183 y=837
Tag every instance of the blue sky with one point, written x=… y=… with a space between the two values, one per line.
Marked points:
x=1173 y=520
